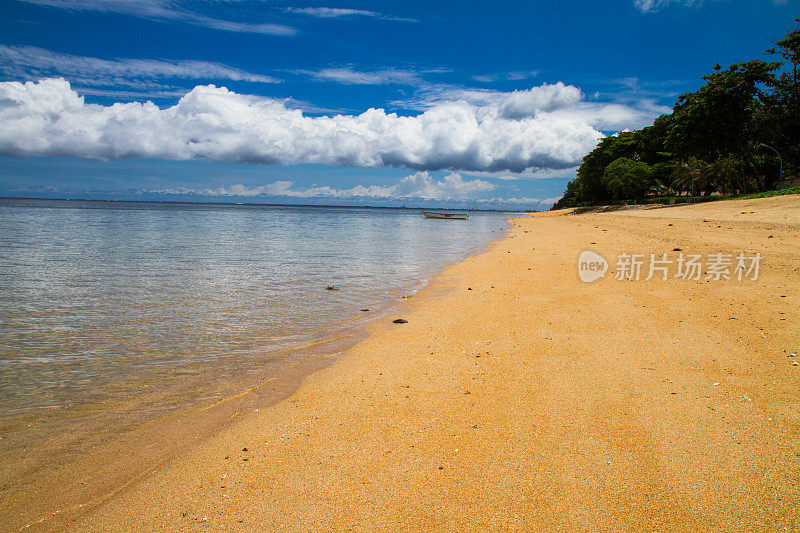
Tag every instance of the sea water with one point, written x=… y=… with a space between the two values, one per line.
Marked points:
x=103 y=302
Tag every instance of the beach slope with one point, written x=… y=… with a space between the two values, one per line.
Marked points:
x=517 y=396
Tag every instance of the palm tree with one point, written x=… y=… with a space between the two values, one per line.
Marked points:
x=724 y=175
x=689 y=176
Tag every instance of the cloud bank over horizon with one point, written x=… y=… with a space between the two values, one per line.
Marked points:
x=547 y=127
x=418 y=186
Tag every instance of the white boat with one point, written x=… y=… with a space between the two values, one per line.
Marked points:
x=446 y=216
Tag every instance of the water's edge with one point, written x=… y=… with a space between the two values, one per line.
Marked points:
x=89 y=476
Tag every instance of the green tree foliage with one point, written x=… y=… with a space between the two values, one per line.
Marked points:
x=725 y=175
x=710 y=142
x=688 y=176
x=787 y=87
x=626 y=178
x=589 y=187
x=781 y=123
x=721 y=117
x=645 y=145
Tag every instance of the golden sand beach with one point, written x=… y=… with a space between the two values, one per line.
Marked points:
x=519 y=397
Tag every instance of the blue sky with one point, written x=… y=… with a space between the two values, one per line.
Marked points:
x=467 y=104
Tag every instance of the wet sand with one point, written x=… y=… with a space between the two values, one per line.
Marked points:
x=518 y=397
x=56 y=467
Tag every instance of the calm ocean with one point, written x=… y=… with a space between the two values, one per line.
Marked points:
x=103 y=302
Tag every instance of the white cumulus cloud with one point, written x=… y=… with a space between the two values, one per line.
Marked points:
x=422 y=185
x=521 y=104
x=526 y=201
x=551 y=131
x=557 y=101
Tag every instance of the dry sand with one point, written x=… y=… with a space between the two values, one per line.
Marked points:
x=533 y=400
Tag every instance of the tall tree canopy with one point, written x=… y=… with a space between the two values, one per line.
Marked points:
x=627 y=179
x=720 y=138
x=721 y=117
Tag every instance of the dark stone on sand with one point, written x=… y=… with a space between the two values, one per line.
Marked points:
x=676 y=249
x=400 y=321
x=364 y=310
x=331 y=288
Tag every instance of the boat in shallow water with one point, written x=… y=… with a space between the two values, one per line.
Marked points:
x=446 y=216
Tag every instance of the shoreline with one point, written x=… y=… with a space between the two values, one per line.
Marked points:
x=108 y=463
x=92 y=474
x=518 y=397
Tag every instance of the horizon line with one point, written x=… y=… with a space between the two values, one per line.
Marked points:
x=254 y=204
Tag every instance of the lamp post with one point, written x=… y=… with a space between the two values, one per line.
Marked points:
x=780 y=178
